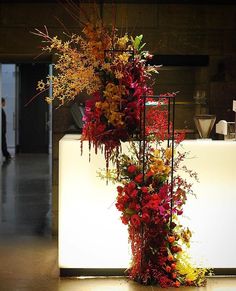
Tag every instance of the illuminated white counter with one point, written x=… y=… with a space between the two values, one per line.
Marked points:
x=91 y=234
x=212 y=215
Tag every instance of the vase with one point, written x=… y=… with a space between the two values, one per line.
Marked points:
x=204 y=124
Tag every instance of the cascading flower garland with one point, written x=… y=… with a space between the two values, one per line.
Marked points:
x=150 y=206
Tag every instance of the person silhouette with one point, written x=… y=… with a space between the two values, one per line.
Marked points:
x=5 y=152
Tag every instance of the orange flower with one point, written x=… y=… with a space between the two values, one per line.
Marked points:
x=176 y=284
x=171 y=239
x=168 y=269
x=174 y=275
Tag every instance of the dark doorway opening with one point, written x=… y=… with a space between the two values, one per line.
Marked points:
x=34 y=117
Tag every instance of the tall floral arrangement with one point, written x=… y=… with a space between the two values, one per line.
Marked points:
x=114 y=71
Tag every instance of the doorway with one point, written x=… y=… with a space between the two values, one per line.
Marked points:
x=8 y=80
x=28 y=126
x=33 y=112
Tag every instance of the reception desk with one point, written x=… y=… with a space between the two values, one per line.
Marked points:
x=91 y=236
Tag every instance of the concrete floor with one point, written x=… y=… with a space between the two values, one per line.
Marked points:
x=28 y=253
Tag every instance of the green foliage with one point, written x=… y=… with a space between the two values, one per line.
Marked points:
x=136 y=42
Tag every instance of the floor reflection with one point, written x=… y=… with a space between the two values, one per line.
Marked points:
x=25 y=201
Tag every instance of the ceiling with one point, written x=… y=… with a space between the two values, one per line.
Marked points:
x=200 y=2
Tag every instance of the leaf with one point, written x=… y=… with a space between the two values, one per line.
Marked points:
x=142 y=46
x=137 y=41
x=129 y=211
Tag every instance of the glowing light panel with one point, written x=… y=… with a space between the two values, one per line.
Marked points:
x=91 y=234
x=212 y=215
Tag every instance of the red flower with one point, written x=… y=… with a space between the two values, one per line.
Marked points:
x=149 y=174
x=166 y=206
x=176 y=249
x=147 y=197
x=134 y=206
x=124 y=198
x=135 y=220
x=132 y=168
x=146 y=217
x=119 y=189
x=120 y=206
x=153 y=204
x=138 y=91
x=101 y=128
x=179 y=212
x=156 y=197
x=131 y=186
x=139 y=178
x=168 y=269
x=163 y=192
x=144 y=189
x=124 y=219
x=134 y=193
